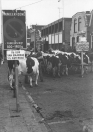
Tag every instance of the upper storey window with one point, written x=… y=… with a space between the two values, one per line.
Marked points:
x=79 y=24
x=75 y=25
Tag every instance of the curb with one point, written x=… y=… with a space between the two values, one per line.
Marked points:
x=37 y=109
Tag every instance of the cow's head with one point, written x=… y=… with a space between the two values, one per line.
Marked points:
x=30 y=63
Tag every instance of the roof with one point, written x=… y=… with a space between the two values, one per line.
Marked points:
x=86 y=12
x=59 y=20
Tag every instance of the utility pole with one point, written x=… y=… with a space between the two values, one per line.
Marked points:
x=59 y=12
x=0 y=23
x=62 y=21
x=1 y=30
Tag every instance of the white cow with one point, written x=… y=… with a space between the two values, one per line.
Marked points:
x=28 y=66
x=23 y=69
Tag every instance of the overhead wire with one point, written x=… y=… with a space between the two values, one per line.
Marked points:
x=28 y=4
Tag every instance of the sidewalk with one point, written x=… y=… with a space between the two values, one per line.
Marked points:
x=10 y=119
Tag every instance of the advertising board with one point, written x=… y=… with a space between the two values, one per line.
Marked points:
x=82 y=46
x=15 y=54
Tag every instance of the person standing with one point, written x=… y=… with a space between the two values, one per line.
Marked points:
x=0 y=58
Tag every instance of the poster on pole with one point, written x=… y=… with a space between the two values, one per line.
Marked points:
x=15 y=55
x=82 y=46
x=14 y=29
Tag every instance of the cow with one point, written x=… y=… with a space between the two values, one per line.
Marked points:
x=63 y=63
x=51 y=62
x=28 y=66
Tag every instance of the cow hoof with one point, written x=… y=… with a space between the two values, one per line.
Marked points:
x=36 y=85
x=11 y=88
x=31 y=86
x=41 y=80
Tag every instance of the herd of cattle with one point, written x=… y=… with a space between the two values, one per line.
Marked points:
x=54 y=63
x=58 y=63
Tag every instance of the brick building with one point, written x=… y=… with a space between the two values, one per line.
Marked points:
x=80 y=25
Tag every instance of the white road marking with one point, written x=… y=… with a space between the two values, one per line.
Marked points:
x=59 y=122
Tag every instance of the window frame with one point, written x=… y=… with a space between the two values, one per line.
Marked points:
x=75 y=25
x=79 y=24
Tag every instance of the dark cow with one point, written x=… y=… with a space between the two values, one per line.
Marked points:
x=55 y=63
x=64 y=63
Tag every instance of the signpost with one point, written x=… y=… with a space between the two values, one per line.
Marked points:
x=14 y=34
x=15 y=54
x=82 y=47
x=14 y=29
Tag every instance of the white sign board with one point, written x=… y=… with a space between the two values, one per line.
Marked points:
x=15 y=54
x=82 y=46
x=82 y=39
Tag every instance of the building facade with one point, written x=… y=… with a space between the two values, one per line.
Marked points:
x=80 y=25
x=36 y=36
x=91 y=31
x=56 y=35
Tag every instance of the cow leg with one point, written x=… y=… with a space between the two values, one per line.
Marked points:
x=54 y=71
x=36 y=79
x=66 y=70
x=63 y=70
x=40 y=73
x=86 y=69
x=30 y=79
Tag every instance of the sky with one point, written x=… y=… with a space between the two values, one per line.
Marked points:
x=44 y=12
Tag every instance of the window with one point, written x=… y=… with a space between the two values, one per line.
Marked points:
x=73 y=42
x=52 y=29
x=46 y=31
x=77 y=38
x=60 y=26
x=56 y=28
x=79 y=24
x=75 y=25
x=92 y=43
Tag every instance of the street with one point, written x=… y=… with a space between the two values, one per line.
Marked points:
x=66 y=103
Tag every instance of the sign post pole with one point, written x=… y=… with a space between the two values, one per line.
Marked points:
x=82 y=64
x=16 y=86
x=16 y=55
x=14 y=32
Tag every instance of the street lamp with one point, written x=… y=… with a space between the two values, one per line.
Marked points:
x=62 y=22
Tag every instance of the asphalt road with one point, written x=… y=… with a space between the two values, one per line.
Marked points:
x=66 y=103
